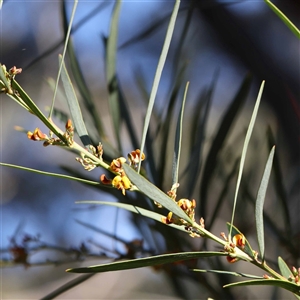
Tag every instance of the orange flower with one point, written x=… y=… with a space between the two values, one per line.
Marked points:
x=105 y=180
x=239 y=240
x=188 y=207
x=116 y=165
x=231 y=259
x=37 y=135
x=69 y=125
x=135 y=157
x=168 y=219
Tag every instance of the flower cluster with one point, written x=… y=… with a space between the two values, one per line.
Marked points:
x=188 y=207
x=239 y=241
x=121 y=181
x=68 y=135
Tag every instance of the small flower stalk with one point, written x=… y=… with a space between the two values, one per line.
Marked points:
x=88 y=163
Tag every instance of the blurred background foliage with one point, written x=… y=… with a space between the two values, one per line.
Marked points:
x=225 y=49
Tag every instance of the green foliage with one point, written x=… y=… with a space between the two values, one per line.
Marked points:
x=284 y=18
x=260 y=204
x=146 y=262
x=176 y=216
x=73 y=104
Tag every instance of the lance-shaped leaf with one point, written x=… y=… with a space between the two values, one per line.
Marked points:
x=111 y=75
x=244 y=151
x=259 y=206
x=74 y=105
x=238 y=274
x=62 y=58
x=284 y=269
x=151 y=191
x=178 y=136
x=160 y=66
x=146 y=262
x=78 y=76
x=67 y=286
x=135 y=209
x=274 y=282
x=51 y=174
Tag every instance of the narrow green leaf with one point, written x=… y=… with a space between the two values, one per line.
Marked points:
x=158 y=73
x=134 y=209
x=146 y=262
x=63 y=56
x=284 y=18
x=244 y=151
x=1 y=3
x=50 y=174
x=259 y=205
x=111 y=76
x=178 y=136
x=74 y=105
x=154 y=193
x=79 y=78
x=284 y=269
x=274 y=282
x=238 y=274
x=67 y=286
